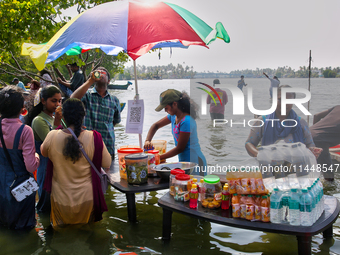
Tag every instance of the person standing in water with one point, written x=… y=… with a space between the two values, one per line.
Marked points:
x=217 y=110
x=182 y=112
x=241 y=83
x=274 y=83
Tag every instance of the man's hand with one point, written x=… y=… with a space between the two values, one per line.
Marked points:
x=316 y=151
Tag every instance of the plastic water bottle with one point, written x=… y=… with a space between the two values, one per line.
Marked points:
x=322 y=199
x=306 y=204
x=276 y=206
x=267 y=175
x=277 y=163
x=315 y=203
x=318 y=189
x=294 y=208
x=292 y=156
x=317 y=199
x=306 y=168
x=285 y=206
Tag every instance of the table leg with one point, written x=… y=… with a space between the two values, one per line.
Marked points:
x=304 y=244
x=328 y=232
x=167 y=218
x=131 y=206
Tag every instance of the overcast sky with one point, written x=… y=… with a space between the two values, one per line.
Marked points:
x=263 y=33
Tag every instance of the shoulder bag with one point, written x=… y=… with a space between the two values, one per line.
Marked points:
x=102 y=174
x=27 y=187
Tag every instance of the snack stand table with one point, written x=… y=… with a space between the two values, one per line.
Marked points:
x=304 y=234
x=122 y=185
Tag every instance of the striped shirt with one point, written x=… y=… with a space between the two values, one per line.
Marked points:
x=102 y=113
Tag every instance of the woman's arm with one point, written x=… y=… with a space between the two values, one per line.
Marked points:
x=254 y=137
x=183 y=140
x=153 y=129
x=251 y=149
x=31 y=158
x=106 y=157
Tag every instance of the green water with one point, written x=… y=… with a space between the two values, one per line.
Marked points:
x=114 y=234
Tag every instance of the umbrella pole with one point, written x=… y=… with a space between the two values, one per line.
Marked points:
x=309 y=73
x=137 y=97
x=135 y=72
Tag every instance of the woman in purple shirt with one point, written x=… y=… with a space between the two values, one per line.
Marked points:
x=19 y=141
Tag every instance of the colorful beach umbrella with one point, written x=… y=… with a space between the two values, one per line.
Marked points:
x=134 y=27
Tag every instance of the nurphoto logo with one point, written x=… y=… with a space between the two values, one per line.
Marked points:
x=238 y=104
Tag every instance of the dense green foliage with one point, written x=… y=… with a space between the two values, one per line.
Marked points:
x=36 y=21
x=288 y=72
x=179 y=72
x=158 y=72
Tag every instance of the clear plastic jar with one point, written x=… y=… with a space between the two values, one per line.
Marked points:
x=157 y=156
x=151 y=165
x=137 y=168
x=172 y=179
x=181 y=187
x=212 y=197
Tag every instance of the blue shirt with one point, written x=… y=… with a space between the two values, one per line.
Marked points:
x=192 y=151
x=21 y=85
x=101 y=115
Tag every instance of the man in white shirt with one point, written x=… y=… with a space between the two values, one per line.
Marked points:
x=274 y=83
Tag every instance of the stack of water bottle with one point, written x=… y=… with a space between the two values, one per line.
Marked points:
x=289 y=172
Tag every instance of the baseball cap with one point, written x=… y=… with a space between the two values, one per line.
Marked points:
x=216 y=81
x=15 y=79
x=167 y=97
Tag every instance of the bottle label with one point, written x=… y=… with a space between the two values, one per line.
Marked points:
x=249 y=212
x=243 y=211
x=225 y=197
x=236 y=210
x=217 y=196
x=275 y=205
x=194 y=195
x=265 y=215
x=294 y=205
x=305 y=208
x=257 y=212
x=186 y=197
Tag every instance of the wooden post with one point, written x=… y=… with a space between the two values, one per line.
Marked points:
x=309 y=73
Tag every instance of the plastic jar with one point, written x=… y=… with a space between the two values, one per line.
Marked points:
x=137 y=168
x=151 y=163
x=172 y=179
x=213 y=192
x=122 y=152
x=181 y=187
x=157 y=159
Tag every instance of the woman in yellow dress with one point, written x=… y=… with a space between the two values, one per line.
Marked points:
x=76 y=196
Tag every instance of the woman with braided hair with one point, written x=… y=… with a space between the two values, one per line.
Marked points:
x=76 y=196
